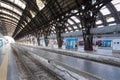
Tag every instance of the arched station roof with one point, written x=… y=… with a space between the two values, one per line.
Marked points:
x=22 y=17
x=10 y=13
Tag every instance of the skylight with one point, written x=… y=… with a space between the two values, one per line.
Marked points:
x=75 y=19
x=71 y=22
x=98 y=22
x=20 y=3
x=105 y=11
x=40 y=4
x=110 y=19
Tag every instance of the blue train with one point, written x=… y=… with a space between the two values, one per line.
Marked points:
x=1 y=42
x=71 y=43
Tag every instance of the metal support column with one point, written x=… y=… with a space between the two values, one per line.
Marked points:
x=46 y=41
x=38 y=41
x=88 y=10
x=59 y=39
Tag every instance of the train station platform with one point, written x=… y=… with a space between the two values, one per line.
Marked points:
x=64 y=64
x=8 y=67
x=104 y=53
x=89 y=66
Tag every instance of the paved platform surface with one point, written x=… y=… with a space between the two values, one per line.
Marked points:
x=8 y=67
x=105 y=51
x=104 y=71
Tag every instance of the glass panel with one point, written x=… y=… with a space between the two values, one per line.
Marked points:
x=80 y=26
x=70 y=28
x=9 y=18
x=117 y=6
x=7 y=12
x=75 y=27
x=115 y=1
x=105 y=11
x=40 y=4
x=71 y=22
x=65 y=29
x=98 y=22
x=6 y=6
x=76 y=30
x=20 y=3
x=110 y=19
x=17 y=11
x=112 y=24
x=75 y=19
x=10 y=8
x=100 y=26
x=3 y=11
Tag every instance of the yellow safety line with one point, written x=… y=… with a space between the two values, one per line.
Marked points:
x=4 y=66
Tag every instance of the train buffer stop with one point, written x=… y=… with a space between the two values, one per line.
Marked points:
x=59 y=39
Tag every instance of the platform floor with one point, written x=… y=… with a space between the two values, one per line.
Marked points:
x=105 y=51
x=100 y=70
x=104 y=71
x=8 y=67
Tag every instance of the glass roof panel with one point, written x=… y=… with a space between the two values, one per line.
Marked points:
x=65 y=29
x=75 y=27
x=76 y=30
x=8 y=18
x=98 y=22
x=100 y=26
x=6 y=6
x=71 y=22
x=17 y=11
x=112 y=24
x=20 y=3
x=70 y=28
x=75 y=19
x=115 y=1
x=117 y=6
x=110 y=19
x=40 y=4
x=6 y=12
x=105 y=11
x=11 y=8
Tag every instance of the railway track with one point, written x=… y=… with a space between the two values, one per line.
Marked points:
x=33 y=69
x=30 y=55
